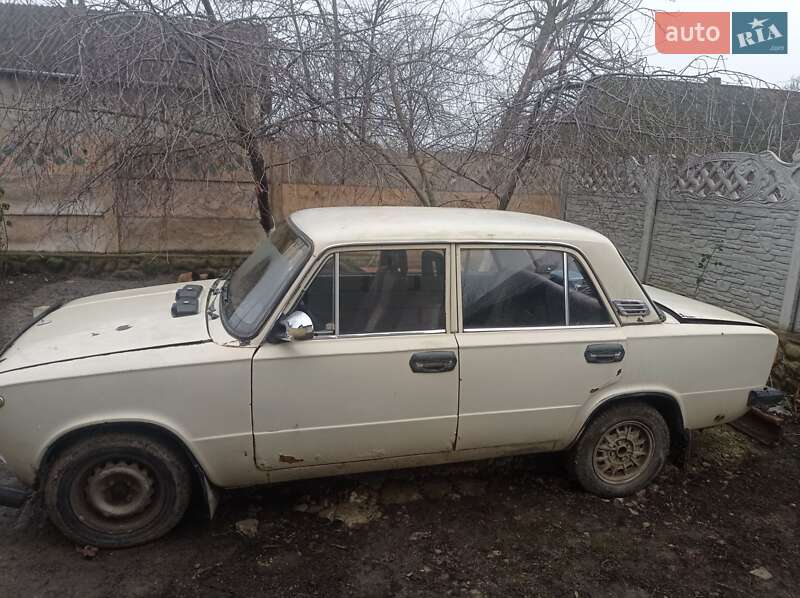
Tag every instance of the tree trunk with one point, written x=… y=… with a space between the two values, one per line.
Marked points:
x=425 y=195
x=258 y=166
x=260 y=172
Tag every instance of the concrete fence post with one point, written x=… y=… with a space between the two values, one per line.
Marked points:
x=791 y=290
x=651 y=186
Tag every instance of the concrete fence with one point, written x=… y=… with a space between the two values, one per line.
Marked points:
x=723 y=228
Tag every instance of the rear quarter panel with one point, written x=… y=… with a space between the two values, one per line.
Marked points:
x=709 y=368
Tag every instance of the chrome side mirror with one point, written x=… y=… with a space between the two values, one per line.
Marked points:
x=297 y=326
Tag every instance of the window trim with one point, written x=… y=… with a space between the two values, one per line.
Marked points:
x=532 y=328
x=336 y=251
x=565 y=271
x=312 y=278
x=565 y=250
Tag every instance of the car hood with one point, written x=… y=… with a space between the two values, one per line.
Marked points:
x=691 y=310
x=110 y=323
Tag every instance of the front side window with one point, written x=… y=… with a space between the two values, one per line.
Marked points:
x=391 y=290
x=258 y=284
x=525 y=288
x=379 y=291
x=318 y=299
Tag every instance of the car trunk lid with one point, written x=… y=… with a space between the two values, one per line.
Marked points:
x=685 y=309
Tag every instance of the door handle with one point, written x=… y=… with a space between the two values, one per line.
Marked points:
x=610 y=353
x=431 y=362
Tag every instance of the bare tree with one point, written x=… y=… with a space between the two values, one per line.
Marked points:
x=4 y=223
x=421 y=73
x=551 y=49
x=422 y=93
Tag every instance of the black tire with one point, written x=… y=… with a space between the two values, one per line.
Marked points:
x=626 y=430
x=117 y=490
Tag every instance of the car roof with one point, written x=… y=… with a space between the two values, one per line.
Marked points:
x=328 y=227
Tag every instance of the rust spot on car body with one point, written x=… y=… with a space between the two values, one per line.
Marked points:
x=289 y=459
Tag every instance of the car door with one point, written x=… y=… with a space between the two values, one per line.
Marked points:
x=531 y=348
x=378 y=380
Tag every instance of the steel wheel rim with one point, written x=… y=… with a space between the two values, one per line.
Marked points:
x=623 y=452
x=116 y=496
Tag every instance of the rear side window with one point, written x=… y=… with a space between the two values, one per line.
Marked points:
x=526 y=288
x=512 y=288
x=585 y=305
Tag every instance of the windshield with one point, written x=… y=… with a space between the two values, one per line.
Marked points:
x=257 y=285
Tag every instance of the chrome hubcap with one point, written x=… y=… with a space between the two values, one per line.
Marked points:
x=623 y=452
x=118 y=489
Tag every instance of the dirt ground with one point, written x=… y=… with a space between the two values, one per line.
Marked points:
x=513 y=527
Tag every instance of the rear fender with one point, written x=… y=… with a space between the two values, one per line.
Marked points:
x=668 y=403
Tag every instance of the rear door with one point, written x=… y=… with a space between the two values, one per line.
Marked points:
x=380 y=378
x=532 y=348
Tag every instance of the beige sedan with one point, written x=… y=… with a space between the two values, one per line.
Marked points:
x=358 y=339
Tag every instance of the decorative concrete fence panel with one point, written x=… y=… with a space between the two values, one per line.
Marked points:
x=722 y=228
x=612 y=198
x=724 y=232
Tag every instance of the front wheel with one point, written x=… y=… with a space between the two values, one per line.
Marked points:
x=117 y=490
x=621 y=451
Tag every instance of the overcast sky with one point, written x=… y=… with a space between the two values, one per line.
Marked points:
x=776 y=68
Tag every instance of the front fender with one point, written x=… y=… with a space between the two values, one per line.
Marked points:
x=199 y=393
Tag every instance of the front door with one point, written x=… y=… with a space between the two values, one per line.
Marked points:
x=380 y=377
x=533 y=348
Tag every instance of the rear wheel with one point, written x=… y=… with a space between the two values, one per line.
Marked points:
x=621 y=451
x=116 y=490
